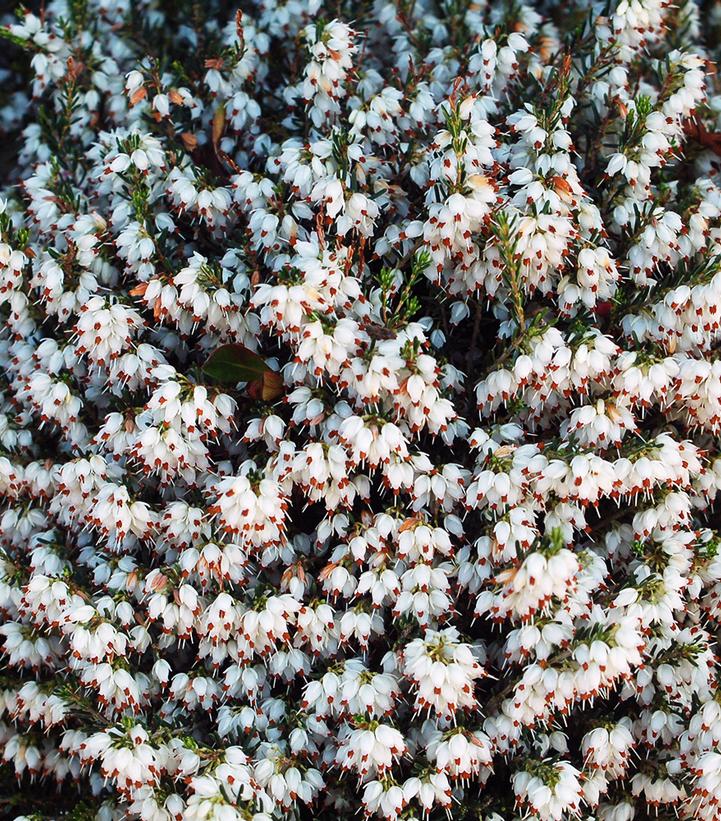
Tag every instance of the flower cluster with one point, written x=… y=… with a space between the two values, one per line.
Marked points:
x=360 y=401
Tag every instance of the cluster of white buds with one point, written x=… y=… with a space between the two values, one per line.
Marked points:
x=360 y=403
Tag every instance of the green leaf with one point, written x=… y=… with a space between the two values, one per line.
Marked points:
x=235 y=363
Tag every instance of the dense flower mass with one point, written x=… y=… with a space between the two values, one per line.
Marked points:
x=360 y=410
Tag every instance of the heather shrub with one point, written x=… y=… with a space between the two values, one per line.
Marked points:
x=360 y=410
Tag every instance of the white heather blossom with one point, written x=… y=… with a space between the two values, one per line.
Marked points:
x=360 y=402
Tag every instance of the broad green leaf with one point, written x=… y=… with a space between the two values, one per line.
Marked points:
x=235 y=363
